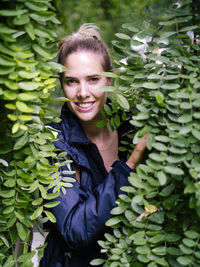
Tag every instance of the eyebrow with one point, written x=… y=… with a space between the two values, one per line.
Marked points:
x=89 y=76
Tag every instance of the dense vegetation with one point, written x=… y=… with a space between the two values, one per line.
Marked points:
x=157 y=222
x=27 y=76
x=109 y=15
x=156 y=69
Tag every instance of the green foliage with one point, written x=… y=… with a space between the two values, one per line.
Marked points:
x=27 y=77
x=157 y=222
x=107 y=14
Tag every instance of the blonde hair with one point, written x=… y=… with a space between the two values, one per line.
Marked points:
x=87 y=30
x=87 y=38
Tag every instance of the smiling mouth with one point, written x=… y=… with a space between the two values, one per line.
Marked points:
x=85 y=106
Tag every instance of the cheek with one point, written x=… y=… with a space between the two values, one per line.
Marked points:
x=69 y=93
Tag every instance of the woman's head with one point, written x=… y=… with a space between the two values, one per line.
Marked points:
x=87 y=38
x=85 y=57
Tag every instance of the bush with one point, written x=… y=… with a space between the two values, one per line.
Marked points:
x=157 y=222
x=27 y=77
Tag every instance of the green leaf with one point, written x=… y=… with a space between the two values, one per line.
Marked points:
x=136 y=43
x=3 y=162
x=21 y=106
x=161 y=261
x=9 y=262
x=28 y=74
x=170 y=86
x=142 y=250
x=172 y=237
x=165 y=35
x=186 y=250
x=37 y=201
x=184 y=260
x=123 y=102
x=143 y=258
x=157 y=217
x=196 y=134
x=162 y=177
x=173 y=251
x=156 y=239
x=29 y=86
x=36 y=6
x=97 y=262
x=5 y=240
x=161 y=250
x=150 y=140
x=30 y=30
x=123 y=36
x=11 y=13
x=113 y=221
x=175 y=158
x=173 y=170
x=6 y=61
x=7 y=193
x=185 y=118
x=8 y=210
x=9 y=95
x=101 y=123
x=151 y=85
x=188 y=28
x=25 y=257
x=21 y=141
x=159 y=97
x=21 y=20
x=185 y=105
x=191 y=234
x=157 y=157
x=12 y=85
x=118 y=210
x=51 y=204
x=130 y=27
x=109 y=74
x=6 y=29
x=108 y=88
x=4 y=70
x=189 y=242
x=177 y=150
x=27 y=96
x=159 y=146
x=57 y=67
x=22 y=231
x=43 y=16
x=41 y=51
x=50 y=216
x=142 y=116
x=37 y=213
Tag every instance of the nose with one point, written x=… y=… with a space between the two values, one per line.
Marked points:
x=83 y=90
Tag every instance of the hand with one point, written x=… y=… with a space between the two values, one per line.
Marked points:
x=137 y=153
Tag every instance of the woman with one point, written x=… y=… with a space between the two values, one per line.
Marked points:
x=100 y=169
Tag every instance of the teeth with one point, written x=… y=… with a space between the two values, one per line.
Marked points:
x=85 y=105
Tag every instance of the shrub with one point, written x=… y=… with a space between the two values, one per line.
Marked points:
x=157 y=222
x=27 y=77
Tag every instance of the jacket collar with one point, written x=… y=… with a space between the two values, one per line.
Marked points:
x=74 y=133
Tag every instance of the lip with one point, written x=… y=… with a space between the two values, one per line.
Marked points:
x=85 y=106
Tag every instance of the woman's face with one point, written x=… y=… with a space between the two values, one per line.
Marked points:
x=81 y=83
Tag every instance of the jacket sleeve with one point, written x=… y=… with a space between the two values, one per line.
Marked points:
x=81 y=216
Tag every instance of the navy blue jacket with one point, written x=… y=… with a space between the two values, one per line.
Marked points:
x=84 y=209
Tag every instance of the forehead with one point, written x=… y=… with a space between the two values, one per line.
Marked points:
x=84 y=62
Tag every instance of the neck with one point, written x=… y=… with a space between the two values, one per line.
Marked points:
x=92 y=131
